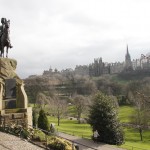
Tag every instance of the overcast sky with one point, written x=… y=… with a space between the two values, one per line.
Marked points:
x=66 y=33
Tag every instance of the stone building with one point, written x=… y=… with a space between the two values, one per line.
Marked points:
x=116 y=67
x=82 y=70
x=48 y=72
x=143 y=63
x=98 y=67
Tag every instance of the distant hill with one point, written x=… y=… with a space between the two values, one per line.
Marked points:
x=70 y=84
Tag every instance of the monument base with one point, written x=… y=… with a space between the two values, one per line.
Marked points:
x=17 y=116
x=13 y=99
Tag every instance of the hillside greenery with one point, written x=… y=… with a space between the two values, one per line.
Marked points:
x=122 y=88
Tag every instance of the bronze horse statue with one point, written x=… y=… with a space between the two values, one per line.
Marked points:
x=4 y=39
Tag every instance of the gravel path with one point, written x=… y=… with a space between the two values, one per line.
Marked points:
x=89 y=143
x=10 y=142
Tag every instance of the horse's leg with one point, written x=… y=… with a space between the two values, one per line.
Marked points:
x=2 y=51
x=7 y=51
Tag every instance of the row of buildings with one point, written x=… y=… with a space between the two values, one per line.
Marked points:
x=98 y=67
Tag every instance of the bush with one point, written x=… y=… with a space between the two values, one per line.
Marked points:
x=34 y=117
x=43 y=121
x=38 y=135
x=59 y=144
x=25 y=134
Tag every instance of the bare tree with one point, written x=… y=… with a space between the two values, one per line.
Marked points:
x=80 y=104
x=141 y=116
x=59 y=108
x=41 y=100
x=138 y=94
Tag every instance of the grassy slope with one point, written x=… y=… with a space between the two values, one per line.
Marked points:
x=125 y=113
x=72 y=127
x=132 y=137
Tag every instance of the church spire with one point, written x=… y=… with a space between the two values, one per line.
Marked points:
x=127 y=50
x=128 y=62
x=127 y=53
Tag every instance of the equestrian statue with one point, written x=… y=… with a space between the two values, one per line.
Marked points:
x=4 y=37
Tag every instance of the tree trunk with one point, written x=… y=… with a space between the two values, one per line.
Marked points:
x=141 y=135
x=58 y=120
x=79 y=116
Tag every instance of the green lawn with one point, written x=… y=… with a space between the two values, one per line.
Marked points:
x=132 y=138
x=72 y=127
x=125 y=113
x=71 y=111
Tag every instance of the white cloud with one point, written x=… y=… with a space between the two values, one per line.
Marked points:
x=63 y=33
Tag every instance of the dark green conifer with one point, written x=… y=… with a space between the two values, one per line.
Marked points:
x=43 y=121
x=103 y=118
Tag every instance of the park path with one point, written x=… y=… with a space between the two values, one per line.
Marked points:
x=11 y=142
x=87 y=144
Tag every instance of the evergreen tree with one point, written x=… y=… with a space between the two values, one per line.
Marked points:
x=34 y=117
x=43 y=121
x=103 y=118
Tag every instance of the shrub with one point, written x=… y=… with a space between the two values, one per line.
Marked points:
x=34 y=117
x=43 y=121
x=59 y=144
x=38 y=135
x=25 y=134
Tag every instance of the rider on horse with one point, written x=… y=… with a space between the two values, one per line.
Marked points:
x=2 y=26
x=3 y=21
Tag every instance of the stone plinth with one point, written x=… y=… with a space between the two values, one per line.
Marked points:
x=20 y=101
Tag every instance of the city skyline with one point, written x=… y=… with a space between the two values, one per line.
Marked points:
x=64 y=33
x=143 y=62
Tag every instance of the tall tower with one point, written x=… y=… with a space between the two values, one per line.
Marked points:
x=128 y=63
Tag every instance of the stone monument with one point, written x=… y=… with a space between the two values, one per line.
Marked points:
x=13 y=99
